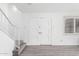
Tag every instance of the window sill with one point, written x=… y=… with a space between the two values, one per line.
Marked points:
x=71 y=33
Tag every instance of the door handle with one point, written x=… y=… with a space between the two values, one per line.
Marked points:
x=40 y=32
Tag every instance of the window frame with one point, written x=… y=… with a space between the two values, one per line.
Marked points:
x=74 y=17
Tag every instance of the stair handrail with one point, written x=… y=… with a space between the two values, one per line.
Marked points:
x=6 y=17
x=10 y=23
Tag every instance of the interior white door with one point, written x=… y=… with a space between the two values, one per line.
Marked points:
x=44 y=33
x=40 y=31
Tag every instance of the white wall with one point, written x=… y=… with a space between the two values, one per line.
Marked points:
x=58 y=35
x=16 y=17
x=6 y=45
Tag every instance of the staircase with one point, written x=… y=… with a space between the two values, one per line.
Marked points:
x=12 y=31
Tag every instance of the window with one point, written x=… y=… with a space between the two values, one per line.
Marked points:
x=0 y=16
x=77 y=25
x=72 y=25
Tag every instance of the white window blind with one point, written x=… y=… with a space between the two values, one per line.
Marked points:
x=72 y=25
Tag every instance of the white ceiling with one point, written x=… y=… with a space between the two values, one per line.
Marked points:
x=47 y=7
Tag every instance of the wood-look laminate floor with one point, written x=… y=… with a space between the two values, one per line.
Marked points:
x=36 y=50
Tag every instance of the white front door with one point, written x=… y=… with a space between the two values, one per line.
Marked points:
x=44 y=32
x=40 y=28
